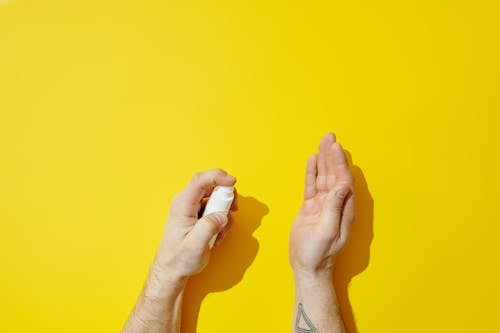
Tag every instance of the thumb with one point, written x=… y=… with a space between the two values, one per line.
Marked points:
x=332 y=211
x=206 y=228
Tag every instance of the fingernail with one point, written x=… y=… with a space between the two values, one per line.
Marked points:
x=232 y=178
x=221 y=218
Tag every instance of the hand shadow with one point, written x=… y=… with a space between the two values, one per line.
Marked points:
x=355 y=257
x=228 y=261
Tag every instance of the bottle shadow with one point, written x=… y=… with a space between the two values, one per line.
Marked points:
x=355 y=257
x=228 y=262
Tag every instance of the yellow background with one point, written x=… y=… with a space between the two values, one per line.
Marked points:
x=108 y=107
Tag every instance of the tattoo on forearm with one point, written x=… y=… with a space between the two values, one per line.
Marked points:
x=303 y=324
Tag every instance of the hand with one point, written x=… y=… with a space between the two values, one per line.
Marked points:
x=322 y=225
x=184 y=249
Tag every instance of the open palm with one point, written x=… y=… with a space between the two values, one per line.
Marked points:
x=322 y=225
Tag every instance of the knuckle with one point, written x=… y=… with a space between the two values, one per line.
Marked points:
x=215 y=173
x=197 y=176
x=211 y=223
x=349 y=178
x=219 y=171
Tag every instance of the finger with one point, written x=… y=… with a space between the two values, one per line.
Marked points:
x=326 y=141
x=347 y=217
x=340 y=167
x=204 y=230
x=332 y=211
x=201 y=185
x=234 y=204
x=208 y=193
x=203 y=204
x=330 y=166
x=222 y=234
x=311 y=174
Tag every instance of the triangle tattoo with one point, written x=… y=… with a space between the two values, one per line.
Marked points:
x=303 y=324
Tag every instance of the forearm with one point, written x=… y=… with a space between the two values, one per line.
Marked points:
x=316 y=306
x=158 y=309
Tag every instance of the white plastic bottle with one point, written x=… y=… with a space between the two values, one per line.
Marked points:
x=220 y=201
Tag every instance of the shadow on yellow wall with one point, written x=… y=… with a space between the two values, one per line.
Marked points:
x=355 y=257
x=228 y=263
x=236 y=253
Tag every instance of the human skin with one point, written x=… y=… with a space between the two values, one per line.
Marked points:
x=319 y=232
x=183 y=252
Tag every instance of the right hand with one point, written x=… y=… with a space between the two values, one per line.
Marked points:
x=322 y=225
x=184 y=249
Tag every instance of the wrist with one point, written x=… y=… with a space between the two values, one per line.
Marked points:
x=160 y=302
x=164 y=282
x=315 y=288
x=322 y=278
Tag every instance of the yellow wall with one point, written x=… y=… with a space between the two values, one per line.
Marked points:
x=108 y=107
